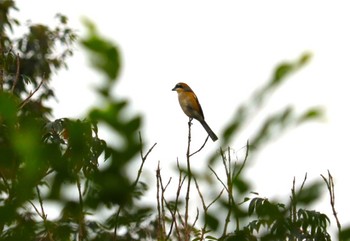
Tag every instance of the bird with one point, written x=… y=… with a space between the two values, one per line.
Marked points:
x=191 y=107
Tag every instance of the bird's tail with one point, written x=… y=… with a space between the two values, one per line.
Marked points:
x=209 y=131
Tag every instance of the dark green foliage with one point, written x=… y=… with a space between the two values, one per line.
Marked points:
x=279 y=222
x=41 y=158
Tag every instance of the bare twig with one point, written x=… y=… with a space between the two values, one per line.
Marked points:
x=159 y=232
x=330 y=185
x=116 y=223
x=195 y=220
x=189 y=177
x=219 y=179
x=200 y=195
x=205 y=142
x=26 y=100
x=163 y=201
x=143 y=159
x=303 y=183
x=37 y=210
x=42 y=213
x=293 y=210
x=244 y=161
x=160 y=207
x=215 y=199
x=173 y=213
x=229 y=177
x=205 y=208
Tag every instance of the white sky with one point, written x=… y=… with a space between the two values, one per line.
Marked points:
x=224 y=50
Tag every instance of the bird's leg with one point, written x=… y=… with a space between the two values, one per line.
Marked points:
x=190 y=121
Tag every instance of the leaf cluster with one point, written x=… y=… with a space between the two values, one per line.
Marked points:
x=58 y=161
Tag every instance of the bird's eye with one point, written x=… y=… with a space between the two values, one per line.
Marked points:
x=179 y=86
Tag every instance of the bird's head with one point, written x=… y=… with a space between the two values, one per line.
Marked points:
x=180 y=87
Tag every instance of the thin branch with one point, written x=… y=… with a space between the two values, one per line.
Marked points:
x=37 y=210
x=244 y=161
x=42 y=213
x=330 y=186
x=200 y=196
x=224 y=162
x=189 y=177
x=144 y=157
x=217 y=198
x=229 y=177
x=293 y=211
x=205 y=208
x=205 y=142
x=173 y=214
x=161 y=226
x=163 y=200
x=26 y=100
x=195 y=220
x=303 y=183
x=217 y=177
x=143 y=160
x=116 y=223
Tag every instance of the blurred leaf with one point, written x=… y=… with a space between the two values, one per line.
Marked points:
x=236 y=123
x=273 y=125
x=250 y=108
x=305 y=58
x=286 y=68
x=8 y=109
x=239 y=235
x=281 y=71
x=241 y=185
x=345 y=234
x=311 y=114
x=211 y=220
x=309 y=193
x=106 y=54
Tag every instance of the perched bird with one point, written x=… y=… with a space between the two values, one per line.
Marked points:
x=190 y=105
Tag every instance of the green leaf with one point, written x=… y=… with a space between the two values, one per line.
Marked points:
x=8 y=109
x=212 y=221
x=345 y=234
x=281 y=72
x=105 y=55
x=309 y=193
x=311 y=114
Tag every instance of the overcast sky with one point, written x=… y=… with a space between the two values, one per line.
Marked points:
x=224 y=50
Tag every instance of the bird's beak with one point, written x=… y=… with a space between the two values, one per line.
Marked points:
x=173 y=89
